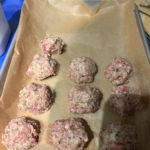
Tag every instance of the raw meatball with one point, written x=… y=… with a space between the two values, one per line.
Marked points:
x=35 y=98
x=126 y=100
x=52 y=44
x=118 y=146
x=21 y=134
x=68 y=134
x=82 y=70
x=119 y=136
x=118 y=71
x=42 y=67
x=84 y=99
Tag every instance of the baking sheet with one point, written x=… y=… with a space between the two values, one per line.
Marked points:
x=108 y=31
x=145 y=18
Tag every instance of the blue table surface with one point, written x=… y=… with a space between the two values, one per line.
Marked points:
x=12 y=9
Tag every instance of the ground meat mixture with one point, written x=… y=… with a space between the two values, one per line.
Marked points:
x=84 y=99
x=52 y=44
x=68 y=134
x=35 y=98
x=21 y=134
x=118 y=71
x=118 y=146
x=126 y=100
x=119 y=136
x=42 y=67
x=82 y=70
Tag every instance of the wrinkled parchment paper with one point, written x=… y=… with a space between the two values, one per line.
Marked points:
x=108 y=31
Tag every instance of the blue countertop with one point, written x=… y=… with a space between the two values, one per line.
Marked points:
x=12 y=9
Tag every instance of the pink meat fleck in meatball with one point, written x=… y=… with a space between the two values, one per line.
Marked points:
x=118 y=71
x=126 y=100
x=82 y=70
x=84 y=99
x=35 y=98
x=52 y=44
x=21 y=134
x=68 y=134
x=119 y=136
x=42 y=67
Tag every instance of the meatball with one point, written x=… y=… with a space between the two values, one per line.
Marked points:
x=84 y=99
x=42 y=67
x=68 y=134
x=118 y=71
x=35 y=98
x=52 y=44
x=118 y=146
x=82 y=70
x=119 y=136
x=126 y=100
x=21 y=134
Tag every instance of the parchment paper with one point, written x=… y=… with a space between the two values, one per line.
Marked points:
x=108 y=31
